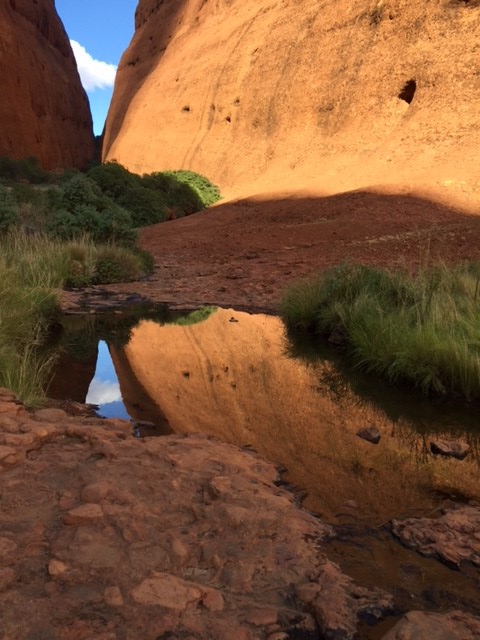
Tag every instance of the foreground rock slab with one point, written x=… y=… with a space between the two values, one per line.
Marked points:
x=453 y=538
x=420 y=625
x=106 y=536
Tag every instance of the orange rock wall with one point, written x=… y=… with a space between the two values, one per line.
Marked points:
x=281 y=94
x=44 y=111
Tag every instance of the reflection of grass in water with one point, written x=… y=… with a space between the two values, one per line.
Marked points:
x=200 y=315
x=401 y=404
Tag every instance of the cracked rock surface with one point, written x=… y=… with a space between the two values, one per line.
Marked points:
x=106 y=536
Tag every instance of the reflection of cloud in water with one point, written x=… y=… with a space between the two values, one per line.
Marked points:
x=103 y=392
x=114 y=410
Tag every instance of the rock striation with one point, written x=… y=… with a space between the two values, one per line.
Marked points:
x=44 y=111
x=265 y=96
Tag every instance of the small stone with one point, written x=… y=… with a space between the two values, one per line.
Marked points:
x=458 y=450
x=113 y=596
x=96 y=491
x=352 y=505
x=180 y=551
x=212 y=600
x=370 y=434
x=262 y=617
x=56 y=568
x=166 y=591
x=84 y=513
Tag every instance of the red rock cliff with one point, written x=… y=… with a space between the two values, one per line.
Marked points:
x=286 y=94
x=44 y=110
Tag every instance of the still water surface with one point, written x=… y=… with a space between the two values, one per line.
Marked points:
x=233 y=376
x=236 y=376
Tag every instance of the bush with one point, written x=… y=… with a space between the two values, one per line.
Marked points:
x=126 y=189
x=114 y=264
x=80 y=207
x=178 y=196
x=207 y=191
x=27 y=169
x=424 y=329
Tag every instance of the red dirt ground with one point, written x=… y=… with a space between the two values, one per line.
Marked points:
x=244 y=253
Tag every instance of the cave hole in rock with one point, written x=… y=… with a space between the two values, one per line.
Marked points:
x=408 y=92
x=186 y=108
x=228 y=119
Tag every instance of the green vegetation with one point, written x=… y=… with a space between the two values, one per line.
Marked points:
x=423 y=329
x=108 y=202
x=199 y=315
x=72 y=229
x=31 y=272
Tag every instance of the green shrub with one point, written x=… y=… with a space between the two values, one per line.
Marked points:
x=208 y=192
x=27 y=169
x=178 y=196
x=424 y=329
x=126 y=189
x=114 y=264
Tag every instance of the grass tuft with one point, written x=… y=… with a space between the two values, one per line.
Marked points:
x=423 y=328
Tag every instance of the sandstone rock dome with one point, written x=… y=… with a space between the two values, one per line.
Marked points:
x=44 y=110
x=265 y=96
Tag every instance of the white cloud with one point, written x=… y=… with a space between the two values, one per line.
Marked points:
x=94 y=74
x=103 y=392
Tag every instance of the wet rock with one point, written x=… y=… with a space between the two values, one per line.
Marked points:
x=333 y=596
x=458 y=450
x=371 y=434
x=422 y=625
x=452 y=537
x=262 y=617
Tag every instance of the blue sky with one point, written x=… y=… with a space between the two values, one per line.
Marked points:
x=102 y=30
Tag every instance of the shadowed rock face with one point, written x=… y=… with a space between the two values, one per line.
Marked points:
x=261 y=96
x=44 y=111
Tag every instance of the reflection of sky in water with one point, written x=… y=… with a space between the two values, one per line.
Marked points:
x=104 y=389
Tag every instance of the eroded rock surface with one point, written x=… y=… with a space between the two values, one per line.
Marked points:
x=420 y=625
x=109 y=537
x=262 y=96
x=44 y=110
x=454 y=537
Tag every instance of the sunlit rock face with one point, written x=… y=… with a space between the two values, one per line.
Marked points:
x=44 y=110
x=262 y=96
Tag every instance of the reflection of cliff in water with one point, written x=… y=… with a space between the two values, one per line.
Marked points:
x=230 y=377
